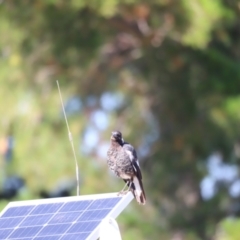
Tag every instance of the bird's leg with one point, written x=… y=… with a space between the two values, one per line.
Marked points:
x=122 y=191
x=129 y=186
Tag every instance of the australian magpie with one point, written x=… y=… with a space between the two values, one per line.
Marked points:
x=122 y=160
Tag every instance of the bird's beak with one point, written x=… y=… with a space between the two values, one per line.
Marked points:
x=112 y=136
x=113 y=133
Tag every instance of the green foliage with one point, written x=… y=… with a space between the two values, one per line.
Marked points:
x=228 y=230
x=203 y=17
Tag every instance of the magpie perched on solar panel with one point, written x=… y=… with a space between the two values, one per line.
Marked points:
x=122 y=160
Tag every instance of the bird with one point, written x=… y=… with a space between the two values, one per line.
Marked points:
x=123 y=161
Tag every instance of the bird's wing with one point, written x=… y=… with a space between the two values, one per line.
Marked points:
x=129 y=149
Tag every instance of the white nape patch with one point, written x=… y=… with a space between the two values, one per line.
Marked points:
x=129 y=153
x=138 y=163
x=132 y=158
x=122 y=140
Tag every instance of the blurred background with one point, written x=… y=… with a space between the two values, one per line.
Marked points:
x=166 y=73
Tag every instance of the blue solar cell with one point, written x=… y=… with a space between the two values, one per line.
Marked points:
x=22 y=233
x=104 y=203
x=46 y=208
x=56 y=229
x=10 y=222
x=94 y=215
x=18 y=211
x=76 y=236
x=36 y=220
x=5 y=233
x=58 y=237
x=65 y=217
x=75 y=206
x=83 y=227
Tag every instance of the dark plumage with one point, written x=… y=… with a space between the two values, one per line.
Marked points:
x=122 y=160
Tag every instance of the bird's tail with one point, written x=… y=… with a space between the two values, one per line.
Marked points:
x=138 y=190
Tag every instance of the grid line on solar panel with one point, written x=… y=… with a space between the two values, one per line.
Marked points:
x=57 y=229
x=46 y=208
x=83 y=227
x=28 y=219
x=86 y=226
x=36 y=220
x=4 y=233
x=100 y=203
x=71 y=220
x=10 y=222
x=64 y=218
x=75 y=206
x=60 y=228
x=19 y=211
x=47 y=238
x=16 y=211
x=24 y=232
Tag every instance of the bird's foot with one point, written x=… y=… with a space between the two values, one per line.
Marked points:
x=121 y=193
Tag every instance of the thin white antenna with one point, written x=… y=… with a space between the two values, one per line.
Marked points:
x=70 y=139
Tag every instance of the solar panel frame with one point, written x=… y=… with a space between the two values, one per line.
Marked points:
x=113 y=212
x=121 y=205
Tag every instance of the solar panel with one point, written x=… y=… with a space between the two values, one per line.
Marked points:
x=67 y=218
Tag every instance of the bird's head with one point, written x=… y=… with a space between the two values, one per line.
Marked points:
x=117 y=137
